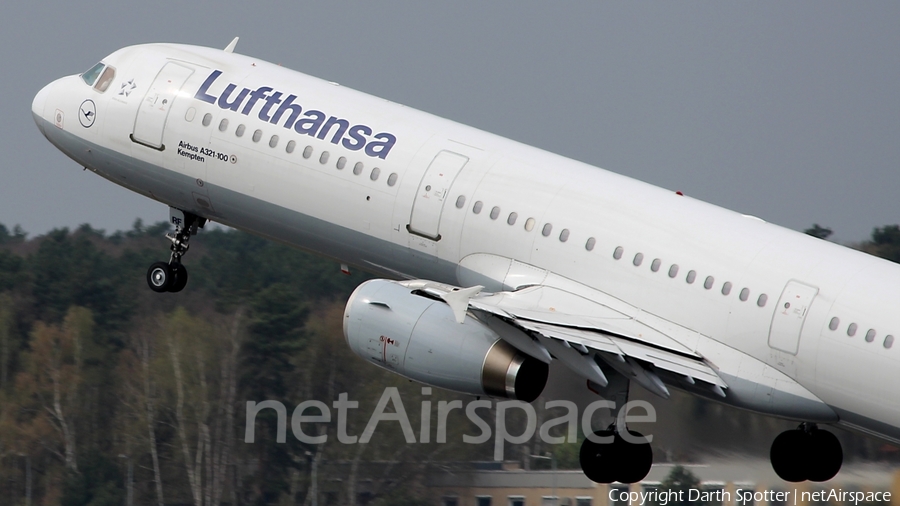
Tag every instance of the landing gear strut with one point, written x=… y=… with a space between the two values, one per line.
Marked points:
x=172 y=276
x=617 y=453
x=806 y=453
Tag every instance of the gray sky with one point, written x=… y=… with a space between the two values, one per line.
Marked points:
x=786 y=110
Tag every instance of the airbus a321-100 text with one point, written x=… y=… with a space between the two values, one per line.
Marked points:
x=501 y=257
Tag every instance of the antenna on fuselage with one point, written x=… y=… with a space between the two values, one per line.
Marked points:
x=230 y=47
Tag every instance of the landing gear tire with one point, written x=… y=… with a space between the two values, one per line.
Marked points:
x=171 y=276
x=807 y=453
x=788 y=453
x=826 y=456
x=599 y=459
x=159 y=277
x=615 y=460
x=636 y=458
x=180 y=278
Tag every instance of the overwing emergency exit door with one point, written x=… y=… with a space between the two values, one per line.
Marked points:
x=434 y=189
x=154 y=109
x=790 y=314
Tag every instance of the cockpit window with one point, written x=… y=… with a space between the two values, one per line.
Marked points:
x=91 y=75
x=106 y=78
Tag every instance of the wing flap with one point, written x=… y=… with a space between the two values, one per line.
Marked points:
x=556 y=307
x=684 y=366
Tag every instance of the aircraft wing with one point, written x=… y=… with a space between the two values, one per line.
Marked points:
x=588 y=336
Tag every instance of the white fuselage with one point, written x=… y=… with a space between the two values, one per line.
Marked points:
x=366 y=172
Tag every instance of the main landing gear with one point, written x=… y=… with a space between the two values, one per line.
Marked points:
x=806 y=453
x=623 y=455
x=172 y=276
x=613 y=458
x=617 y=453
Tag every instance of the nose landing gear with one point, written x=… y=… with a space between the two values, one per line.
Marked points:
x=172 y=276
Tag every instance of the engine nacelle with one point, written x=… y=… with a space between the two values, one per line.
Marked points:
x=418 y=337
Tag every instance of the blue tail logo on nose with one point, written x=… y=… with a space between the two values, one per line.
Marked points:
x=88 y=113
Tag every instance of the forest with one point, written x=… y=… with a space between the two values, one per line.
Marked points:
x=113 y=394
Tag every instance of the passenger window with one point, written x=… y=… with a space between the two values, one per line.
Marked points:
x=257 y=135
x=710 y=281
x=655 y=265
x=761 y=301
x=835 y=322
x=223 y=125
x=106 y=78
x=870 y=335
x=692 y=275
x=91 y=75
x=273 y=141
x=207 y=119
x=511 y=220
x=290 y=146
x=851 y=330
x=341 y=163
x=744 y=295
x=307 y=152
x=589 y=245
x=239 y=132
x=726 y=288
x=888 y=341
x=357 y=169
x=460 y=201
x=375 y=173
x=323 y=158
x=617 y=254
x=392 y=179
x=638 y=259
x=477 y=207
x=547 y=229
x=564 y=235
x=673 y=270
x=495 y=213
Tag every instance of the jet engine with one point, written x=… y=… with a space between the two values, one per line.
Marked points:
x=417 y=336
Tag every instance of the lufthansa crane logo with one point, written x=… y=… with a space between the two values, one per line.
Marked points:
x=87 y=113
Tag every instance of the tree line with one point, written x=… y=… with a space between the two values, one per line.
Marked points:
x=101 y=379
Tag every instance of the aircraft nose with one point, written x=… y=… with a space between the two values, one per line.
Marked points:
x=38 y=104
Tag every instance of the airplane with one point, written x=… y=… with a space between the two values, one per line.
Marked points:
x=497 y=257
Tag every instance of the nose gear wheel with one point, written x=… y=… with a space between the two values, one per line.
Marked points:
x=172 y=276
